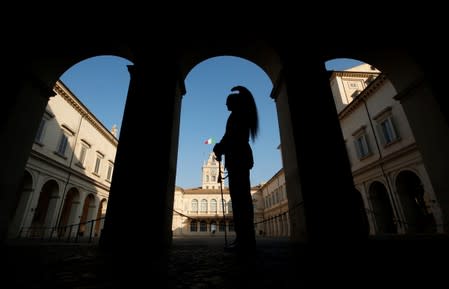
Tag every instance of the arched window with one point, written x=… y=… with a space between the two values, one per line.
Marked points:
x=203 y=208
x=195 y=205
x=213 y=206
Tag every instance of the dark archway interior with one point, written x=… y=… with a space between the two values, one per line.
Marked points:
x=382 y=209
x=411 y=191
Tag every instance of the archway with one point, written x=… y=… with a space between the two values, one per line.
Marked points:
x=41 y=226
x=68 y=220
x=202 y=124
x=87 y=215
x=415 y=203
x=99 y=221
x=382 y=209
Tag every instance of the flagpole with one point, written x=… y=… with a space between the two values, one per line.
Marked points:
x=220 y=180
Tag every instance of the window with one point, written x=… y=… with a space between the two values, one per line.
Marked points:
x=98 y=163
x=110 y=169
x=40 y=131
x=66 y=132
x=203 y=207
x=203 y=226
x=385 y=126
x=42 y=126
x=83 y=152
x=388 y=131
x=207 y=178
x=361 y=143
x=85 y=146
x=361 y=146
x=213 y=206
x=214 y=175
x=193 y=226
x=62 y=146
x=195 y=206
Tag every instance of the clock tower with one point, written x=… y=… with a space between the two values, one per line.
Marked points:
x=210 y=173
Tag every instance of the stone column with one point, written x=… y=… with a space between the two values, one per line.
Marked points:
x=21 y=212
x=22 y=113
x=139 y=211
x=325 y=193
x=431 y=132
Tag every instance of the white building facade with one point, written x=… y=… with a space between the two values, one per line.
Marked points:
x=275 y=208
x=387 y=167
x=207 y=210
x=67 y=178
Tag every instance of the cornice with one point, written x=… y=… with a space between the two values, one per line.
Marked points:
x=353 y=74
x=205 y=191
x=71 y=99
x=397 y=154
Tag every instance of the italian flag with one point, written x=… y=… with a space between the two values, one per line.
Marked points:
x=209 y=141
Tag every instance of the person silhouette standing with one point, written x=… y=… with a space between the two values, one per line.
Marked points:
x=241 y=126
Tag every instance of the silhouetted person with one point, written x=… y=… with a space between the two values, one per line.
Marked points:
x=241 y=125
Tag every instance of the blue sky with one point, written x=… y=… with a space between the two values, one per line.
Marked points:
x=101 y=83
